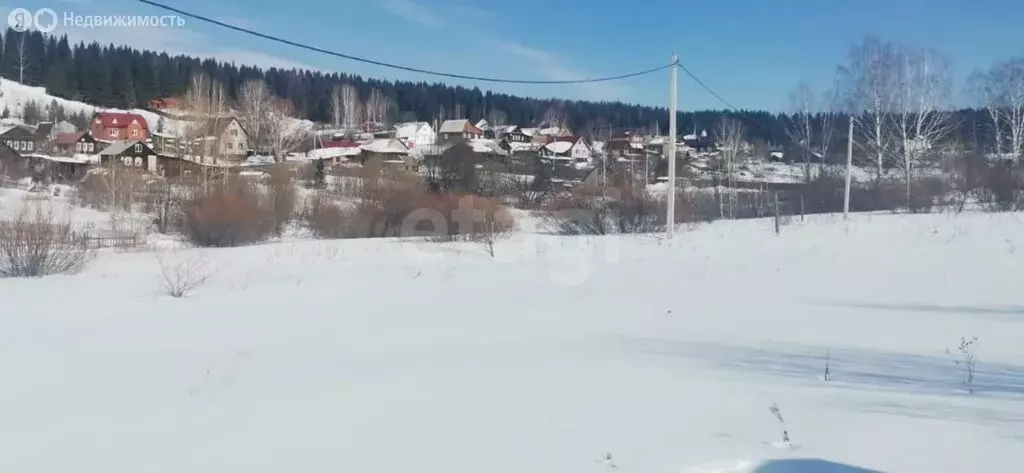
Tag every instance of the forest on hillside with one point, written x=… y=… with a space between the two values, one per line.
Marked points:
x=122 y=77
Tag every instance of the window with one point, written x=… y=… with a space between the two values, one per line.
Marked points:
x=30 y=145
x=230 y=145
x=233 y=132
x=127 y=161
x=78 y=147
x=92 y=147
x=138 y=147
x=113 y=132
x=138 y=162
x=135 y=132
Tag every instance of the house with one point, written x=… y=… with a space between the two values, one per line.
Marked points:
x=57 y=168
x=44 y=133
x=223 y=138
x=64 y=143
x=459 y=129
x=11 y=162
x=20 y=138
x=387 y=149
x=115 y=126
x=165 y=144
x=515 y=134
x=64 y=126
x=492 y=148
x=130 y=153
x=574 y=148
x=88 y=144
x=416 y=134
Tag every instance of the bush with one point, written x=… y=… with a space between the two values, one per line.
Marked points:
x=281 y=197
x=615 y=210
x=35 y=244
x=229 y=216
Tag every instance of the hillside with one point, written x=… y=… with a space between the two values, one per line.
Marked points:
x=396 y=355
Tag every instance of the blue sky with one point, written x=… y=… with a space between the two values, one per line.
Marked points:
x=753 y=52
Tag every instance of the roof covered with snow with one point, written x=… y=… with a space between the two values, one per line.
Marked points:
x=559 y=147
x=386 y=146
x=411 y=129
x=456 y=126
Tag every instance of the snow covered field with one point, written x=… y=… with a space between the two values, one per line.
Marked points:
x=388 y=356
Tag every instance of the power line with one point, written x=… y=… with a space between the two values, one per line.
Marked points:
x=702 y=84
x=392 y=65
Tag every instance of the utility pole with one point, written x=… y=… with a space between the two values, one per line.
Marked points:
x=849 y=170
x=671 y=217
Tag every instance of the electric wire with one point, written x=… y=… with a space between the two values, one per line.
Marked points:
x=393 y=65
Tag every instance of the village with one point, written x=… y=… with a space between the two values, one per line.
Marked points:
x=179 y=144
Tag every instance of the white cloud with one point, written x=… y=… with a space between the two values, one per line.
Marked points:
x=412 y=11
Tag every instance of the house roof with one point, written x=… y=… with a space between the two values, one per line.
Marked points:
x=163 y=103
x=44 y=129
x=487 y=147
x=409 y=129
x=217 y=126
x=9 y=128
x=120 y=119
x=331 y=153
x=559 y=147
x=68 y=138
x=386 y=146
x=528 y=131
x=119 y=147
x=458 y=126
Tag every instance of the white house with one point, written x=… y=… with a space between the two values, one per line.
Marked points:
x=576 y=150
x=416 y=134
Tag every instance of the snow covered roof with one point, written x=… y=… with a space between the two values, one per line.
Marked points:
x=559 y=147
x=519 y=146
x=59 y=159
x=455 y=126
x=118 y=147
x=333 y=153
x=487 y=147
x=528 y=131
x=390 y=145
x=690 y=137
x=483 y=125
x=410 y=129
x=549 y=131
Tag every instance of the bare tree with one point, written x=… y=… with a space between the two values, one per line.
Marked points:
x=22 y=58
x=730 y=136
x=920 y=119
x=337 y=105
x=555 y=117
x=801 y=129
x=1005 y=101
x=497 y=118
x=352 y=107
x=255 y=103
x=284 y=131
x=377 y=106
x=984 y=86
x=36 y=244
x=204 y=103
x=868 y=85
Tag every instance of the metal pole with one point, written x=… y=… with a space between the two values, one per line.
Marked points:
x=671 y=217
x=849 y=170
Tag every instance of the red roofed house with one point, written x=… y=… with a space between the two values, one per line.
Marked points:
x=113 y=126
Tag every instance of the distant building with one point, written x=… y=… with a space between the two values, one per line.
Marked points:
x=459 y=129
x=115 y=126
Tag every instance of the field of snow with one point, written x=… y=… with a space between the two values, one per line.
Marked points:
x=389 y=355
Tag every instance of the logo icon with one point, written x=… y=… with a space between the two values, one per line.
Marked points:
x=20 y=20
x=45 y=20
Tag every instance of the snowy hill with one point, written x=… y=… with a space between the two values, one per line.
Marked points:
x=381 y=356
x=15 y=95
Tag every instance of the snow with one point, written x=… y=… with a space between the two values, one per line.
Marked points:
x=398 y=355
x=559 y=147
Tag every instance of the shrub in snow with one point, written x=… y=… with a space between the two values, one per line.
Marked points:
x=36 y=244
x=605 y=211
x=828 y=367
x=226 y=216
x=774 y=409
x=280 y=196
x=180 y=278
x=966 y=357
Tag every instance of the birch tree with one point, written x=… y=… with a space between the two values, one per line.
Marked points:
x=255 y=104
x=730 y=136
x=801 y=129
x=377 y=106
x=337 y=105
x=284 y=131
x=352 y=108
x=920 y=119
x=1009 y=79
x=868 y=84
x=204 y=103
